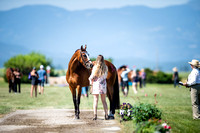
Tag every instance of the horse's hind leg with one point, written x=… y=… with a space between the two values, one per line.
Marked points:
x=112 y=107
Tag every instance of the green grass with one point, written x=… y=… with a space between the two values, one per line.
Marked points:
x=2 y=71
x=175 y=103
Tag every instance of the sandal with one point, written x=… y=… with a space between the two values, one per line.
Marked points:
x=95 y=117
x=106 y=117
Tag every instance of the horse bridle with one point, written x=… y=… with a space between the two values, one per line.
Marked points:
x=85 y=62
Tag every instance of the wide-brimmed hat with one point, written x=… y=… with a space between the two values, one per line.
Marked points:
x=194 y=63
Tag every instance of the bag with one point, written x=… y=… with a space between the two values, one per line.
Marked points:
x=29 y=76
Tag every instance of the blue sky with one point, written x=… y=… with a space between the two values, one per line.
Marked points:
x=90 y=4
x=132 y=32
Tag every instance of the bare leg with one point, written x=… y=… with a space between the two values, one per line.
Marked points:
x=39 y=89
x=103 y=99
x=134 y=85
x=95 y=103
x=35 y=90
x=32 y=90
x=42 y=89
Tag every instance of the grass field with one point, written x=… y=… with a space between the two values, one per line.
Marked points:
x=175 y=103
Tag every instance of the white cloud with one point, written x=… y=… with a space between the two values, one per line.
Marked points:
x=90 y=4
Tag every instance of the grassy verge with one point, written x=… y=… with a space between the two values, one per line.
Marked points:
x=175 y=103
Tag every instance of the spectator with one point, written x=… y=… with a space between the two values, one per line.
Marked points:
x=143 y=77
x=175 y=77
x=18 y=76
x=135 y=80
x=34 y=81
x=84 y=91
x=98 y=80
x=42 y=77
x=124 y=76
x=194 y=84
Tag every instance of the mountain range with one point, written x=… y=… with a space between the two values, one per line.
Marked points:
x=133 y=35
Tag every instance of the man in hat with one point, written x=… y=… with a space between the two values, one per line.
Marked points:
x=42 y=77
x=194 y=84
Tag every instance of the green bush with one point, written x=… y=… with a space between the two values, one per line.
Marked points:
x=26 y=62
x=152 y=126
x=139 y=113
x=158 y=77
x=145 y=111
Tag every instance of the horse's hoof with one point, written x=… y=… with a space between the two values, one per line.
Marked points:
x=77 y=117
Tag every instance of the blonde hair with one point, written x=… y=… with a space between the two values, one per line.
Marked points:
x=100 y=67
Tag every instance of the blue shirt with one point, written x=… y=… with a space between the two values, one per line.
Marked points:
x=41 y=74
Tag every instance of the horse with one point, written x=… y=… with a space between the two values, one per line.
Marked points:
x=79 y=70
x=11 y=79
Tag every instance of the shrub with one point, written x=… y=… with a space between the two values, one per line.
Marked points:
x=144 y=112
x=152 y=126
x=158 y=77
x=139 y=113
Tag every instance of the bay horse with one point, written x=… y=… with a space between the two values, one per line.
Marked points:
x=11 y=79
x=79 y=70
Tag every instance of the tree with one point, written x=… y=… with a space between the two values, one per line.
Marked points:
x=26 y=62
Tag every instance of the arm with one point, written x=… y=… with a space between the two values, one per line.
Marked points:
x=91 y=78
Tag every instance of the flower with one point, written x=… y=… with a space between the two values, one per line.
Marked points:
x=126 y=111
x=121 y=111
x=129 y=113
x=164 y=124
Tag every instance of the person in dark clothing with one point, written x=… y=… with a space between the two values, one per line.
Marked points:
x=175 y=77
x=18 y=76
x=34 y=81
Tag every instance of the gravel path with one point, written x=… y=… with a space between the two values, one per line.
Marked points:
x=56 y=121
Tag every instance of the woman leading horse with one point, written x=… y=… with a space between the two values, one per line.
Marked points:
x=79 y=70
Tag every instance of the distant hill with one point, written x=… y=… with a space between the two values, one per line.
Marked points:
x=132 y=35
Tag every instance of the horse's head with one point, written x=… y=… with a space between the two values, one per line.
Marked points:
x=84 y=58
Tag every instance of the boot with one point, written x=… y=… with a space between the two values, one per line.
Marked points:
x=95 y=117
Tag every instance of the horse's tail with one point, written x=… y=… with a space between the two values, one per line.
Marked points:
x=116 y=98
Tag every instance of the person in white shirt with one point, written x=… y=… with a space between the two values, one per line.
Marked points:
x=194 y=84
x=124 y=76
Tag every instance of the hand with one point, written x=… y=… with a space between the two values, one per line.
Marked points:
x=184 y=84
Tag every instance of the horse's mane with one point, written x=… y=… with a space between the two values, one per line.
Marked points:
x=76 y=50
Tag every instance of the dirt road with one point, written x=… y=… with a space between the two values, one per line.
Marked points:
x=56 y=121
